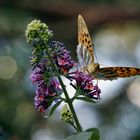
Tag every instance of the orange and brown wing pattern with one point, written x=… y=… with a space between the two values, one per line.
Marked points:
x=85 y=46
x=85 y=55
x=112 y=73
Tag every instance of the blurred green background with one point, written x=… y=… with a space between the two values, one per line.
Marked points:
x=115 y=26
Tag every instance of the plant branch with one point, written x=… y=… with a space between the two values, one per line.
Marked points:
x=68 y=100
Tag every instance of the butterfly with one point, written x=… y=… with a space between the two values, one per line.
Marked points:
x=85 y=53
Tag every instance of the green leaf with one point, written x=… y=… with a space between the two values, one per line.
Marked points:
x=54 y=108
x=89 y=135
x=95 y=133
x=86 y=99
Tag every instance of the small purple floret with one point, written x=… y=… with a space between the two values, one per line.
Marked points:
x=85 y=83
x=46 y=90
x=62 y=57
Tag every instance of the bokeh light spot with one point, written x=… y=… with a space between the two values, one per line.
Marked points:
x=134 y=93
x=8 y=67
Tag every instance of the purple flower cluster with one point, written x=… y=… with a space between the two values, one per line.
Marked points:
x=47 y=88
x=62 y=57
x=37 y=75
x=84 y=82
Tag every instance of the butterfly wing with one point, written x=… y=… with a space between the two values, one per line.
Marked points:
x=85 y=46
x=112 y=73
x=85 y=55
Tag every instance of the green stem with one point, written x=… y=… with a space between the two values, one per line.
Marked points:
x=79 y=128
x=75 y=127
x=68 y=100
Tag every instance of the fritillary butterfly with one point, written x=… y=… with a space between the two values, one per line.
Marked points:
x=85 y=55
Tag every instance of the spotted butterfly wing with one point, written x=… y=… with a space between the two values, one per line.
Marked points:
x=85 y=46
x=112 y=73
x=85 y=55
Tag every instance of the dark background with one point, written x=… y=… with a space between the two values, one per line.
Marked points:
x=115 y=28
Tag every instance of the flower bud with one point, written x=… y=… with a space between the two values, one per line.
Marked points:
x=37 y=31
x=66 y=115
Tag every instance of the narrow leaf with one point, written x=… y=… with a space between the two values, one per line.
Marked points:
x=54 y=108
x=86 y=99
